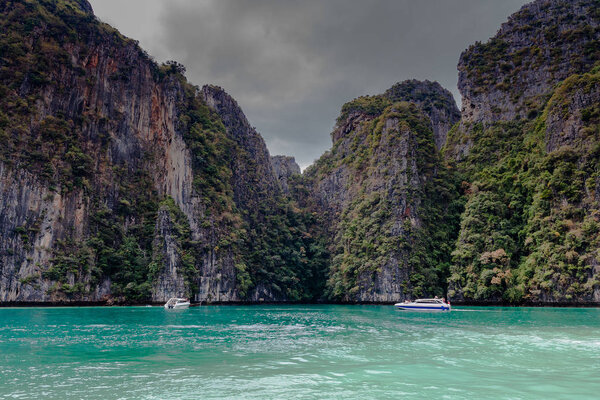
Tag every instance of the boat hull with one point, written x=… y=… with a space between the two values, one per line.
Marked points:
x=422 y=307
x=177 y=307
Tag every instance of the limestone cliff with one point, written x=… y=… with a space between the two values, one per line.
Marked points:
x=252 y=162
x=527 y=146
x=94 y=144
x=513 y=73
x=121 y=182
x=385 y=197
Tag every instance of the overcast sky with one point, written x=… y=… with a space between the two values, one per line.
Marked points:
x=292 y=64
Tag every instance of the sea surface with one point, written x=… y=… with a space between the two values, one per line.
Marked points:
x=299 y=351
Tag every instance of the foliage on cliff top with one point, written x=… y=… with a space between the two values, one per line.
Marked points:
x=426 y=94
x=429 y=96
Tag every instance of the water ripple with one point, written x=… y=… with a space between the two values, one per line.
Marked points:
x=298 y=352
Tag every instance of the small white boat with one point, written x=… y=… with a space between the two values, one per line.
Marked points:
x=177 y=303
x=424 y=305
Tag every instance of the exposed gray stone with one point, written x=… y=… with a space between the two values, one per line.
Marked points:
x=284 y=167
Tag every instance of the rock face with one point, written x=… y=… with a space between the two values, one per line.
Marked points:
x=571 y=112
x=170 y=280
x=513 y=74
x=252 y=162
x=31 y=218
x=539 y=46
x=86 y=130
x=376 y=192
x=285 y=167
x=525 y=145
x=434 y=100
x=279 y=257
x=121 y=182
x=85 y=6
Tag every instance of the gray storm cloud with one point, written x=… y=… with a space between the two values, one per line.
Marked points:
x=292 y=64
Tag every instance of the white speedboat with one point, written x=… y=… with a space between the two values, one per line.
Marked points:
x=424 y=305
x=177 y=303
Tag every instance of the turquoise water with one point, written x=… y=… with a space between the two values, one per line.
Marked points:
x=306 y=352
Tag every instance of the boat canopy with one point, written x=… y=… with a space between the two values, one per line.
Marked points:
x=175 y=300
x=429 y=301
